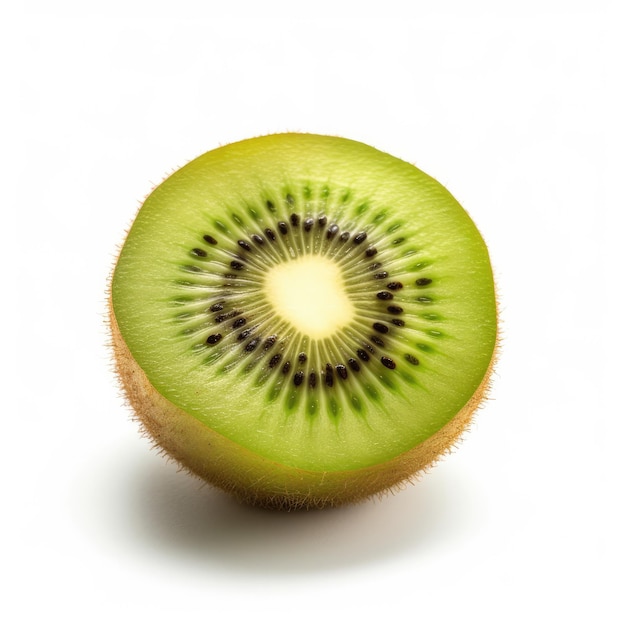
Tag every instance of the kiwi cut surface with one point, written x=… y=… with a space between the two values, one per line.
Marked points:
x=303 y=320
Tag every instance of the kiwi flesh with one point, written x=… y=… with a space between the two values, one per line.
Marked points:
x=303 y=320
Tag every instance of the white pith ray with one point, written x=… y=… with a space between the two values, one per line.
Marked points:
x=286 y=244
x=298 y=237
x=275 y=252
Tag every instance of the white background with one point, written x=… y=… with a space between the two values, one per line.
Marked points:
x=518 y=110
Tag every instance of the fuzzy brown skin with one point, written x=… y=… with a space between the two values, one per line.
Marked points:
x=259 y=481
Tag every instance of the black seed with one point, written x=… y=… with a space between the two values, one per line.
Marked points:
x=298 y=377
x=332 y=231
x=236 y=265
x=394 y=286
x=282 y=227
x=375 y=266
x=370 y=252
x=397 y=322
x=354 y=365
x=271 y=235
x=275 y=360
x=422 y=282
x=244 y=334
x=245 y=245
x=387 y=362
x=384 y=295
x=360 y=238
x=257 y=239
x=329 y=379
x=227 y=316
x=218 y=306
x=238 y=323
x=411 y=359
x=302 y=357
x=213 y=339
x=210 y=239
x=322 y=220
x=378 y=341
x=269 y=204
x=364 y=356
x=286 y=367
x=308 y=224
x=381 y=328
x=396 y=310
x=290 y=201
x=369 y=348
x=269 y=342
x=312 y=380
x=251 y=345
x=345 y=236
x=381 y=275
x=295 y=219
x=198 y=252
x=342 y=371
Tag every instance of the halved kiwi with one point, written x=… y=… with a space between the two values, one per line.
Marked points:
x=303 y=320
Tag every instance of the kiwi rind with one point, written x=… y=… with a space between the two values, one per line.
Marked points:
x=257 y=474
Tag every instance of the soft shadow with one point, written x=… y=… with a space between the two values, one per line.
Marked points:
x=172 y=511
x=136 y=503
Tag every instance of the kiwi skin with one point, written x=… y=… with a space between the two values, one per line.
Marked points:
x=261 y=482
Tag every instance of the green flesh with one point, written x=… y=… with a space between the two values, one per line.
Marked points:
x=184 y=305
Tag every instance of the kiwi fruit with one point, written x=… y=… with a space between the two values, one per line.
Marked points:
x=302 y=320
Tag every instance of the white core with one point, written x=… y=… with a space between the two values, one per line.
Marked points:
x=309 y=293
